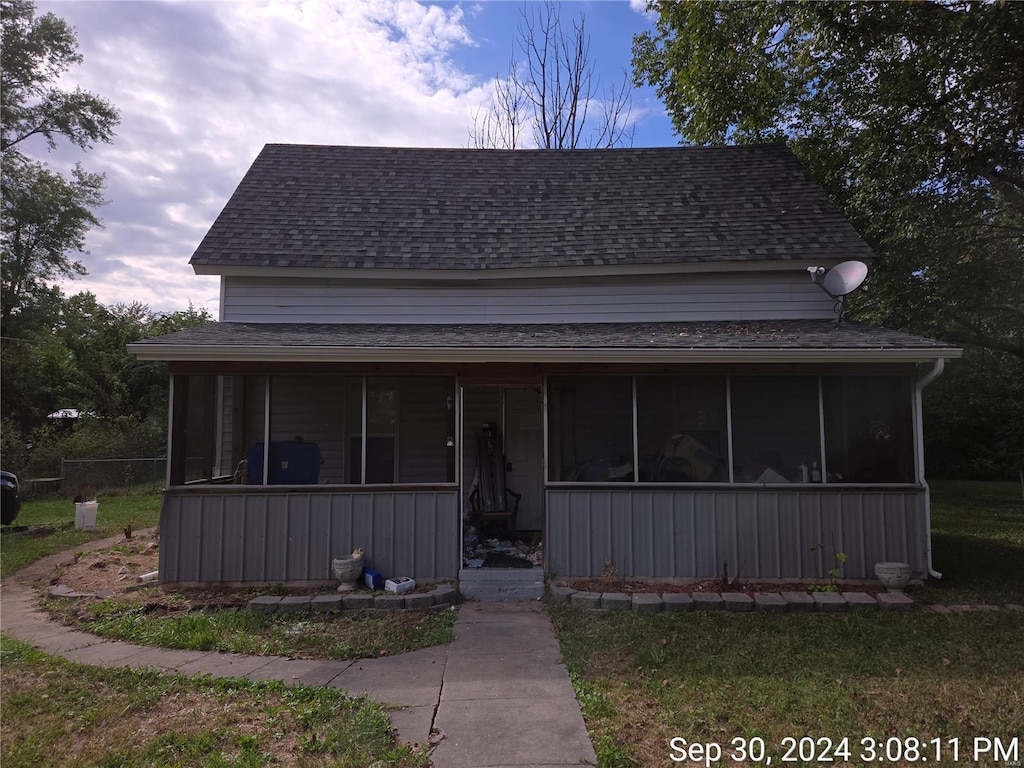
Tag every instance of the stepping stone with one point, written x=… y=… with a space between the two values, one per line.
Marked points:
x=894 y=601
x=707 y=601
x=59 y=590
x=646 y=603
x=264 y=604
x=616 y=601
x=357 y=602
x=325 y=603
x=419 y=601
x=1014 y=607
x=677 y=601
x=829 y=602
x=585 y=599
x=737 y=602
x=770 y=602
x=560 y=594
x=294 y=604
x=943 y=609
x=445 y=594
x=798 y=601
x=860 y=601
x=389 y=602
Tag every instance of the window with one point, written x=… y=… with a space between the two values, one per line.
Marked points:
x=868 y=429
x=775 y=429
x=591 y=435
x=316 y=429
x=681 y=429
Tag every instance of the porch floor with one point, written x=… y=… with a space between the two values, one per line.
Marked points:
x=501 y=584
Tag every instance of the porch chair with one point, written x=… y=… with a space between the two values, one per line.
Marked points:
x=490 y=500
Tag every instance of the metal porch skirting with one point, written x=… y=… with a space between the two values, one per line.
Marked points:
x=760 y=533
x=208 y=536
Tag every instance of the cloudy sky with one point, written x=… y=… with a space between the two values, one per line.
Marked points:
x=202 y=86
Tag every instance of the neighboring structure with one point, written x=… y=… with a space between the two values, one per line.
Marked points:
x=672 y=388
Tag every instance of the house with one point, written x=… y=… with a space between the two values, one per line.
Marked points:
x=638 y=326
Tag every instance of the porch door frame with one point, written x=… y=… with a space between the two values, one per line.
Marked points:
x=462 y=474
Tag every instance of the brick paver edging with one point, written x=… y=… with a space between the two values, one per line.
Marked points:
x=737 y=602
x=439 y=598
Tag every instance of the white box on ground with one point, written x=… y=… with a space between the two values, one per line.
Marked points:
x=85 y=515
x=399 y=584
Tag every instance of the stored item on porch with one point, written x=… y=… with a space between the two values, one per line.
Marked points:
x=399 y=584
x=372 y=579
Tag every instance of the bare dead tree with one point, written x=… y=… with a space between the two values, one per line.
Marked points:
x=553 y=95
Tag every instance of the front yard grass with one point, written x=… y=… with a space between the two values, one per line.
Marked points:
x=353 y=635
x=644 y=679
x=56 y=712
x=50 y=526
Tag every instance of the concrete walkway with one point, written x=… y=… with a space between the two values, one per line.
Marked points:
x=498 y=695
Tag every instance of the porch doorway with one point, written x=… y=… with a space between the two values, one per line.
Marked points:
x=515 y=415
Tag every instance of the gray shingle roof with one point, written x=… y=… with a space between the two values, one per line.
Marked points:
x=470 y=209
x=763 y=335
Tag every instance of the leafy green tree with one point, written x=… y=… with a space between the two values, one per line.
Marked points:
x=910 y=114
x=36 y=52
x=45 y=215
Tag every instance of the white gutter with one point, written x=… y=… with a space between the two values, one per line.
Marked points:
x=937 y=366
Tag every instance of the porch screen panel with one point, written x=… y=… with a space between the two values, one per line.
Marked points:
x=245 y=412
x=307 y=424
x=681 y=429
x=426 y=429
x=868 y=429
x=195 y=456
x=590 y=429
x=776 y=432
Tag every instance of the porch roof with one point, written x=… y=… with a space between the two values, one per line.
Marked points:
x=723 y=341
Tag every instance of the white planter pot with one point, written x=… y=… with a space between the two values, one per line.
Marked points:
x=894 y=576
x=347 y=570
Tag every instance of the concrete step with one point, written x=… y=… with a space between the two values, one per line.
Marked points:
x=501 y=584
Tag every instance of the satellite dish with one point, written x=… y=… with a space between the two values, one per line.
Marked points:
x=839 y=281
x=844 y=278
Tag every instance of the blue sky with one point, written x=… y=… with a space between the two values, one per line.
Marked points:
x=202 y=86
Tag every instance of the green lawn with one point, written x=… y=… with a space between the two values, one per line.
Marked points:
x=57 y=713
x=644 y=679
x=51 y=526
x=977 y=543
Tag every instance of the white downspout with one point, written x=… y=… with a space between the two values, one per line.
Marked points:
x=924 y=381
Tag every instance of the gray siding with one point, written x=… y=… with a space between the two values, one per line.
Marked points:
x=788 y=294
x=759 y=533
x=214 y=536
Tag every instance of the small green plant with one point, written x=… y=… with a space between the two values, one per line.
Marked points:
x=611 y=575
x=834 y=574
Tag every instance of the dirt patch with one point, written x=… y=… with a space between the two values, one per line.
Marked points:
x=112 y=570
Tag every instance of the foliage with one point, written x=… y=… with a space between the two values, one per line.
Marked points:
x=551 y=95
x=78 y=359
x=910 y=115
x=36 y=52
x=45 y=215
x=974 y=417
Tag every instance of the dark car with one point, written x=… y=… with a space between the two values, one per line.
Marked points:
x=10 y=501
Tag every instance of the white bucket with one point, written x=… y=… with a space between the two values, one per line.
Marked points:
x=85 y=515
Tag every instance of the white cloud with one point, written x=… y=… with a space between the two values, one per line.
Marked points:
x=202 y=86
